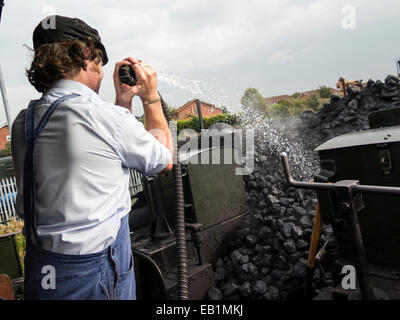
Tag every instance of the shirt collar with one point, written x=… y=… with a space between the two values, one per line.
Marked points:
x=72 y=86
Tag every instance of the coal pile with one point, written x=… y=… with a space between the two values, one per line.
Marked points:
x=268 y=258
x=350 y=113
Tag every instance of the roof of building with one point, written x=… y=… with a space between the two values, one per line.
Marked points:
x=311 y=92
x=194 y=100
x=307 y=94
x=276 y=99
x=188 y=115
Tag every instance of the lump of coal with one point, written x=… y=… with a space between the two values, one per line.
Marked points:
x=219 y=274
x=250 y=241
x=247 y=272
x=245 y=289
x=230 y=289
x=259 y=288
x=272 y=293
x=214 y=294
x=306 y=222
x=238 y=259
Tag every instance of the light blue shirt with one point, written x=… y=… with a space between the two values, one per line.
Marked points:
x=81 y=168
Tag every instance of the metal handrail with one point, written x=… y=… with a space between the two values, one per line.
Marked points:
x=356 y=187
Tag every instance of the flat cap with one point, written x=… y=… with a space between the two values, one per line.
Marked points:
x=62 y=28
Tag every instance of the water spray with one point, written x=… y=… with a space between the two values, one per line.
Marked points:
x=127 y=76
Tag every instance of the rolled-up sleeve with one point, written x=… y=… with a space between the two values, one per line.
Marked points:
x=140 y=150
x=18 y=150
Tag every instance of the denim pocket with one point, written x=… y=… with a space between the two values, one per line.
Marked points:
x=124 y=275
x=126 y=286
x=38 y=265
x=67 y=284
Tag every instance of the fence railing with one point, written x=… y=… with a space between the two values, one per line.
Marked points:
x=8 y=194
x=135 y=182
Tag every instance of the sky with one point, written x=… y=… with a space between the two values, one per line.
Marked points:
x=214 y=50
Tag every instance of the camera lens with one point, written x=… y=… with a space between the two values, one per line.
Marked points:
x=127 y=75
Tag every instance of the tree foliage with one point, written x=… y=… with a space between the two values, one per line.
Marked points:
x=288 y=107
x=253 y=99
x=173 y=112
x=6 y=152
x=296 y=95
x=140 y=118
x=324 y=92
x=293 y=106
x=313 y=102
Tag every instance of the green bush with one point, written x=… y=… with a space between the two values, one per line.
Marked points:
x=324 y=92
x=12 y=226
x=194 y=123
x=6 y=152
x=313 y=102
x=296 y=95
x=252 y=98
x=288 y=107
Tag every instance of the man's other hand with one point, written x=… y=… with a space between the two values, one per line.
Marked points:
x=146 y=83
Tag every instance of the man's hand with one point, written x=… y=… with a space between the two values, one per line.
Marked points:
x=146 y=89
x=123 y=92
x=146 y=83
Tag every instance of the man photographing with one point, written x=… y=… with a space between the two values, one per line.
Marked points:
x=71 y=151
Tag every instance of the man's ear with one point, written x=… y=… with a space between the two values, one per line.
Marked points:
x=86 y=64
x=93 y=66
x=86 y=54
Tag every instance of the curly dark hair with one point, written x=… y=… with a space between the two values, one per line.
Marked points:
x=60 y=60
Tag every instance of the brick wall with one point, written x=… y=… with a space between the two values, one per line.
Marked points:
x=190 y=110
x=4 y=132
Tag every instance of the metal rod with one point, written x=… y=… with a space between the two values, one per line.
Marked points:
x=1 y=7
x=345 y=198
x=356 y=188
x=377 y=190
x=398 y=66
x=5 y=101
x=345 y=191
x=360 y=261
x=199 y=113
x=303 y=185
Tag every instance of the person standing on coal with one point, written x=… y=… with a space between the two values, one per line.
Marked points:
x=71 y=152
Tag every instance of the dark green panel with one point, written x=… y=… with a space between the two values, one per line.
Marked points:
x=384 y=118
x=215 y=190
x=380 y=218
x=218 y=193
x=9 y=259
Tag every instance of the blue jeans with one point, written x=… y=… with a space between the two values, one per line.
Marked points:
x=106 y=275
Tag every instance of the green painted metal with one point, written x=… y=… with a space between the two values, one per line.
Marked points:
x=215 y=198
x=384 y=118
x=359 y=157
x=218 y=193
x=363 y=138
x=213 y=192
x=9 y=258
